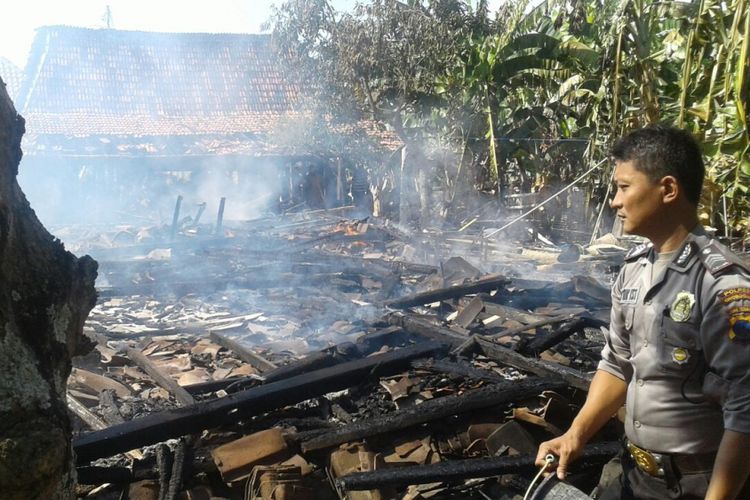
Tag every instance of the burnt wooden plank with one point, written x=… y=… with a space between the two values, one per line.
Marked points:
x=574 y=378
x=484 y=284
x=541 y=343
x=469 y=313
x=495 y=394
x=458 y=470
x=315 y=361
x=424 y=328
x=542 y=322
x=245 y=354
x=161 y=426
x=458 y=368
x=164 y=381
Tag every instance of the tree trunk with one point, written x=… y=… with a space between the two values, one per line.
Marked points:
x=45 y=295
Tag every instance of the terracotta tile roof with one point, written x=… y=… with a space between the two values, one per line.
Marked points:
x=12 y=76
x=110 y=74
x=79 y=123
x=138 y=87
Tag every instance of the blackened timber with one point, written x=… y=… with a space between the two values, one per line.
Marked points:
x=433 y=409
x=164 y=381
x=117 y=475
x=315 y=361
x=424 y=328
x=218 y=230
x=340 y=353
x=457 y=470
x=507 y=312
x=542 y=322
x=484 y=284
x=218 y=385
x=245 y=354
x=543 y=342
x=457 y=368
x=574 y=378
x=161 y=426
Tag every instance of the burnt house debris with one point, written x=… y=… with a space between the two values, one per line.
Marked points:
x=310 y=356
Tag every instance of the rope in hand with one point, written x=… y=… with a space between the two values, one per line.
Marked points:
x=548 y=460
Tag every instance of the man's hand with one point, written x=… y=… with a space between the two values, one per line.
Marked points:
x=566 y=448
x=606 y=395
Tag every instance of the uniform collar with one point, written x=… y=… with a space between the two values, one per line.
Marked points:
x=688 y=252
x=683 y=259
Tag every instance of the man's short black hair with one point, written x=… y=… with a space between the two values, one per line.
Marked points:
x=661 y=150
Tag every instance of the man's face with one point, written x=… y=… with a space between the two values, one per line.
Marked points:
x=638 y=200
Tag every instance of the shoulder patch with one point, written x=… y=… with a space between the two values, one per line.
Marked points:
x=718 y=258
x=638 y=251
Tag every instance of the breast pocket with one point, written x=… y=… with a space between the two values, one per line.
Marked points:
x=628 y=314
x=679 y=349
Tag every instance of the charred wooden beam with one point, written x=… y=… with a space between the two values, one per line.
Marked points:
x=158 y=427
x=322 y=359
x=458 y=368
x=484 y=284
x=175 y=218
x=315 y=361
x=593 y=454
x=541 y=343
x=93 y=421
x=311 y=362
x=509 y=357
x=164 y=381
x=495 y=351
x=536 y=324
x=245 y=354
x=109 y=410
x=507 y=312
x=434 y=409
x=218 y=385
x=116 y=475
x=218 y=231
x=424 y=328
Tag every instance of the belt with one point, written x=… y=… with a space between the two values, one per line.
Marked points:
x=654 y=464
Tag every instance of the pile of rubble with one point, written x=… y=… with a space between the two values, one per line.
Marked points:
x=314 y=356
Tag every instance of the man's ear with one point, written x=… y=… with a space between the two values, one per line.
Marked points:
x=670 y=189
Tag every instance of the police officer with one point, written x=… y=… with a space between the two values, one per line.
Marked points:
x=677 y=354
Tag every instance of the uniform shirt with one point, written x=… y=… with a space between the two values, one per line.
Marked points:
x=681 y=341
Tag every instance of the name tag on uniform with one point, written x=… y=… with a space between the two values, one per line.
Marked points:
x=629 y=296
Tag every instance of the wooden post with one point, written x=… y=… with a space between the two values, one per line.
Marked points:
x=175 y=217
x=220 y=216
x=339 y=183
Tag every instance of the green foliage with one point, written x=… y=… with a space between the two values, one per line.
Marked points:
x=501 y=93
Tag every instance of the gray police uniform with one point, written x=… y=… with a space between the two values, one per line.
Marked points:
x=681 y=341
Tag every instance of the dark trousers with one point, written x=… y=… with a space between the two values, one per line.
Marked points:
x=634 y=484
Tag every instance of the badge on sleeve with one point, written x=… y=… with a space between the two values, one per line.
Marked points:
x=682 y=307
x=735 y=294
x=739 y=327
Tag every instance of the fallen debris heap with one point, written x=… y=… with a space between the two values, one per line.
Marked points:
x=312 y=357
